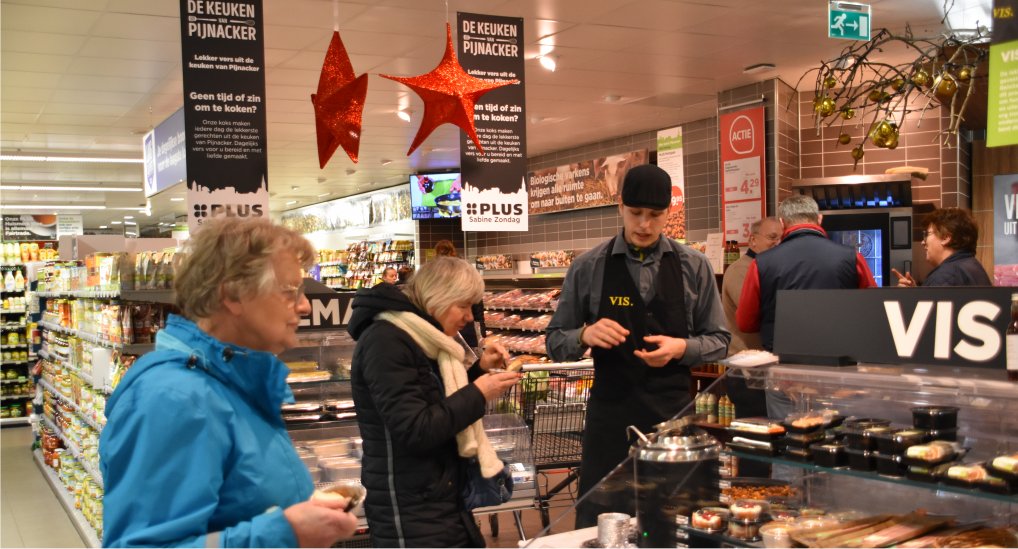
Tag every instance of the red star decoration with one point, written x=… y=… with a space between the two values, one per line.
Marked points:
x=339 y=104
x=449 y=95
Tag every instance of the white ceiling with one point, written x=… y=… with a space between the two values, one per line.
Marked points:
x=90 y=77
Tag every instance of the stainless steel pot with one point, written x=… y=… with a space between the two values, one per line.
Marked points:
x=676 y=473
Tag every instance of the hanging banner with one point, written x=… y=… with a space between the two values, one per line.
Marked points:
x=165 y=154
x=223 y=56
x=669 y=159
x=742 y=172
x=585 y=184
x=27 y=227
x=494 y=194
x=1002 y=101
x=1005 y=230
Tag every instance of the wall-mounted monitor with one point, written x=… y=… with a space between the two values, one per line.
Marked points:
x=435 y=195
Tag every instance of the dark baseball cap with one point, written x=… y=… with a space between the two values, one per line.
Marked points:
x=647 y=186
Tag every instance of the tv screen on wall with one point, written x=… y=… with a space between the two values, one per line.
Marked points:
x=435 y=195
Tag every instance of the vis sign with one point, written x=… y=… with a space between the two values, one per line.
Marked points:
x=945 y=326
x=328 y=312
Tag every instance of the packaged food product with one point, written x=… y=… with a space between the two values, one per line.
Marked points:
x=752 y=509
x=863 y=437
x=798 y=453
x=776 y=534
x=968 y=474
x=744 y=529
x=711 y=519
x=803 y=439
x=759 y=428
x=830 y=455
x=861 y=460
x=895 y=442
x=932 y=453
x=1005 y=466
x=935 y=417
x=891 y=465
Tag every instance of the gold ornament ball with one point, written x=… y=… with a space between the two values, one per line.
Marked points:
x=879 y=140
x=858 y=153
x=826 y=107
x=875 y=95
x=830 y=82
x=892 y=141
x=965 y=73
x=920 y=78
x=897 y=84
x=847 y=113
x=844 y=139
x=946 y=86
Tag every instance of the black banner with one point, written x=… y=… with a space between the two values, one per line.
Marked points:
x=223 y=57
x=494 y=183
x=945 y=326
x=1005 y=21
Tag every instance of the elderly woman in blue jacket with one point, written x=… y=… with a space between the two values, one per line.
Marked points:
x=195 y=452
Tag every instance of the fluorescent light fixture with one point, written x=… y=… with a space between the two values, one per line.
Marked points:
x=128 y=217
x=116 y=222
x=69 y=188
x=104 y=226
x=386 y=161
x=403 y=115
x=759 y=67
x=51 y=207
x=176 y=199
x=612 y=98
x=323 y=195
x=291 y=202
x=548 y=62
x=86 y=159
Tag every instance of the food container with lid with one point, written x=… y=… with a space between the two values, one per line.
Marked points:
x=744 y=529
x=752 y=509
x=932 y=453
x=776 y=534
x=710 y=519
x=860 y=460
x=950 y=435
x=895 y=442
x=335 y=469
x=892 y=465
x=927 y=473
x=830 y=455
x=804 y=439
x=796 y=453
x=864 y=437
x=677 y=463
x=935 y=417
x=1005 y=466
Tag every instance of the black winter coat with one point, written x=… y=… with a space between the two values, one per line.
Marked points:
x=411 y=467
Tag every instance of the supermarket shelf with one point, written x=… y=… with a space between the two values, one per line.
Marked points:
x=21 y=346
x=57 y=328
x=12 y=326
x=21 y=379
x=87 y=293
x=151 y=296
x=13 y=311
x=52 y=390
x=10 y=265
x=525 y=309
x=88 y=534
x=75 y=451
x=516 y=276
x=12 y=421
x=16 y=397
x=15 y=362
x=130 y=348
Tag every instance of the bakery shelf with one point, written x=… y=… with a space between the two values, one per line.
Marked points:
x=88 y=534
x=75 y=451
x=872 y=475
x=12 y=421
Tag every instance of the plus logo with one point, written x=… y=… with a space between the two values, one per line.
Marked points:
x=471 y=209
x=201 y=210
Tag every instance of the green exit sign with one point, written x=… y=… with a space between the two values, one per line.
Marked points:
x=848 y=20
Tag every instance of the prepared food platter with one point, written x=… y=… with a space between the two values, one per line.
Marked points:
x=812 y=421
x=756 y=428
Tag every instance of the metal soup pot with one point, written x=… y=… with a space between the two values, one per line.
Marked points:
x=449 y=205
x=676 y=474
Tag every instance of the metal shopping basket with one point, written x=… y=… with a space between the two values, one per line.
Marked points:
x=552 y=400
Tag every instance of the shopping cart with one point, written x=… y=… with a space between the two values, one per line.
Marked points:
x=552 y=400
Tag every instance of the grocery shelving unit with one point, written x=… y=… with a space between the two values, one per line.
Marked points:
x=88 y=534
x=15 y=320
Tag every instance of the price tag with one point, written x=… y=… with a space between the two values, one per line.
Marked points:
x=479 y=265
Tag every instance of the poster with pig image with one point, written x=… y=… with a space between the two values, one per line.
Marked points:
x=585 y=184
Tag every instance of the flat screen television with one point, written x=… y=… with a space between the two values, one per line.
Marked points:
x=435 y=195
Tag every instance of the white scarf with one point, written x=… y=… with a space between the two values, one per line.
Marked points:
x=472 y=441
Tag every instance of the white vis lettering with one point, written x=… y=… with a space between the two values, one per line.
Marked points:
x=906 y=336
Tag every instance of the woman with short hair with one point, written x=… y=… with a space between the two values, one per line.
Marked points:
x=419 y=405
x=195 y=451
x=949 y=240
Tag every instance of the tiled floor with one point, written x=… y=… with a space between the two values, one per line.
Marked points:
x=32 y=515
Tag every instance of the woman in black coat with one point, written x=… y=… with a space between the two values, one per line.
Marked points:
x=409 y=414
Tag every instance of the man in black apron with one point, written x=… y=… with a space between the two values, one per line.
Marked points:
x=649 y=309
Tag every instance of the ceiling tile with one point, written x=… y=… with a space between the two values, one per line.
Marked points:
x=39 y=42
x=135 y=27
x=120 y=48
x=63 y=20
x=663 y=15
x=126 y=68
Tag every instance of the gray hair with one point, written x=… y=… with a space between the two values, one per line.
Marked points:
x=231 y=257
x=755 y=227
x=799 y=208
x=443 y=282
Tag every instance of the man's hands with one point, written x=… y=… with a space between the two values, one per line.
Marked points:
x=606 y=334
x=904 y=280
x=668 y=349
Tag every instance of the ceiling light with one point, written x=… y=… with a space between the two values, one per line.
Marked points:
x=386 y=161
x=294 y=187
x=51 y=207
x=292 y=202
x=69 y=188
x=116 y=222
x=548 y=62
x=403 y=115
x=759 y=67
x=99 y=159
x=104 y=226
x=323 y=195
x=612 y=98
x=176 y=199
x=128 y=217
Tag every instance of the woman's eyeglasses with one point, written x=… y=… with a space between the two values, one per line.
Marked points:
x=292 y=294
